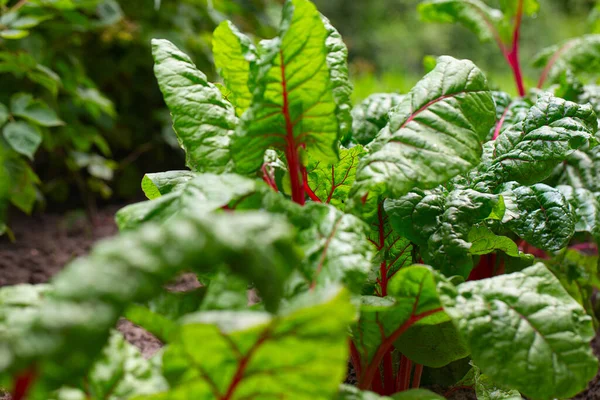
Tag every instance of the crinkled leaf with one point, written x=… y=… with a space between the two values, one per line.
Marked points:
x=586 y=209
x=579 y=55
x=233 y=52
x=157 y=184
x=201 y=194
x=202 y=119
x=371 y=116
x=66 y=330
x=524 y=331
x=541 y=215
x=241 y=355
x=484 y=241
x=509 y=111
x=22 y=137
x=336 y=248
x=331 y=183
x=581 y=169
x=293 y=103
x=485 y=388
x=434 y=134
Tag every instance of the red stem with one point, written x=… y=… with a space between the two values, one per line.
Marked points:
x=403 y=378
x=512 y=56
x=369 y=373
x=307 y=188
x=377 y=385
x=291 y=150
x=551 y=63
x=500 y=123
x=22 y=384
x=355 y=356
x=268 y=178
x=416 y=383
x=388 y=372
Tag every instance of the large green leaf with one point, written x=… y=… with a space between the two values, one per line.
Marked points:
x=371 y=116
x=121 y=372
x=61 y=336
x=553 y=128
x=293 y=103
x=331 y=183
x=524 y=331
x=302 y=351
x=434 y=134
x=202 y=119
x=201 y=194
x=579 y=55
x=336 y=248
x=539 y=214
x=233 y=52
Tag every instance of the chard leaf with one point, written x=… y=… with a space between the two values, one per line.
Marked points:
x=484 y=241
x=541 y=215
x=554 y=128
x=336 y=248
x=586 y=210
x=525 y=332
x=579 y=55
x=331 y=183
x=412 y=298
x=434 y=134
x=240 y=356
x=201 y=194
x=509 y=111
x=371 y=116
x=233 y=52
x=485 y=388
x=440 y=223
x=475 y=15
x=581 y=169
x=337 y=60
x=202 y=119
x=70 y=326
x=293 y=103
x=155 y=185
x=120 y=372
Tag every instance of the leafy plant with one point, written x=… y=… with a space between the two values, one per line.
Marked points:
x=333 y=236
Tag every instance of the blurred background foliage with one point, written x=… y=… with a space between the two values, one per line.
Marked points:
x=87 y=118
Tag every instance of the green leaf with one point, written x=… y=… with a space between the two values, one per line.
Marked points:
x=23 y=138
x=434 y=134
x=580 y=56
x=348 y=392
x=509 y=111
x=4 y=114
x=417 y=394
x=539 y=214
x=70 y=326
x=371 y=116
x=475 y=15
x=528 y=151
x=293 y=103
x=485 y=388
x=586 y=210
x=202 y=119
x=302 y=351
x=336 y=248
x=524 y=331
x=36 y=111
x=14 y=34
x=120 y=372
x=337 y=60
x=412 y=298
x=155 y=185
x=484 y=241
x=331 y=183
x=581 y=169
x=201 y=194
x=233 y=52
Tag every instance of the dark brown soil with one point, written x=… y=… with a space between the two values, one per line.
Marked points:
x=45 y=243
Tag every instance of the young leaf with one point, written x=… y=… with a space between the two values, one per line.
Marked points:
x=233 y=52
x=203 y=193
x=483 y=241
x=371 y=116
x=434 y=134
x=249 y=354
x=331 y=183
x=155 y=185
x=22 y=137
x=525 y=332
x=336 y=248
x=586 y=210
x=293 y=104
x=202 y=119
x=543 y=215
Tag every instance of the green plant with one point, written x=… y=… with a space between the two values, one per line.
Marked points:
x=332 y=236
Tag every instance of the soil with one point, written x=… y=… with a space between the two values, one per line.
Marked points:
x=45 y=243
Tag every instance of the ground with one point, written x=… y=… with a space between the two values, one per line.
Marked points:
x=45 y=243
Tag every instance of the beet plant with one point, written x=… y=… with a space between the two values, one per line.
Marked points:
x=416 y=235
